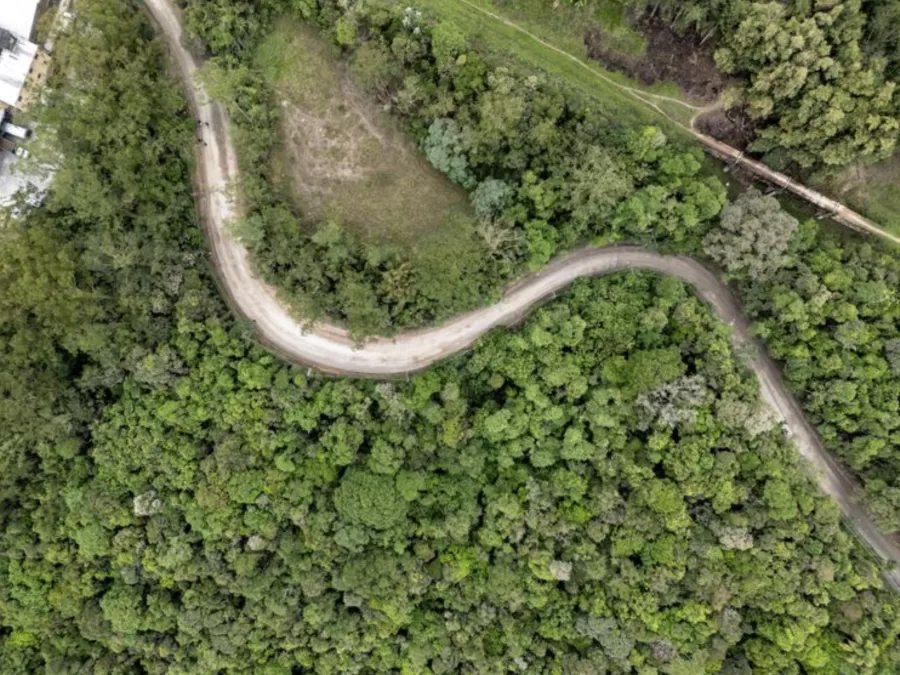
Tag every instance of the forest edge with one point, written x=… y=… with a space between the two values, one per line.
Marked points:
x=330 y=348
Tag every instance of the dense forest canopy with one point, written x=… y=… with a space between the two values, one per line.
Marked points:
x=594 y=494
x=93 y=282
x=832 y=316
x=819 y=76
x=547 y=170
x=598 y=492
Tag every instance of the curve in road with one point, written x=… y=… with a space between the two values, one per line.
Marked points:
x=330 y=348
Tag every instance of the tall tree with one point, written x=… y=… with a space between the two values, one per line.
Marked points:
x=752 y=236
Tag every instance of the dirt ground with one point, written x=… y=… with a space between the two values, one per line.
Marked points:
x=343 y=158
x=668 y=57
x=730 y=126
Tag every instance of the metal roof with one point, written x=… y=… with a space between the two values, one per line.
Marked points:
x=17 y=53
x=17 y=16
x=14 y=67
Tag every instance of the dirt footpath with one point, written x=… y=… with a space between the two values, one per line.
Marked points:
x=329 y=348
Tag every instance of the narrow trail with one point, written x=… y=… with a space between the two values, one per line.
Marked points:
x=329 y=348
x=634 y=91
x=723 y=151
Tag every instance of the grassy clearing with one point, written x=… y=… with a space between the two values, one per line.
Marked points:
x=872 y=190
x=340 y=158
x=611 y=17
x=563 y=28
x=572 y=67
x=565 y=25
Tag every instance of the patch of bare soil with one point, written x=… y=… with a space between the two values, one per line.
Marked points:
x=729 y=126
x=330 y=150
x=669 y=57
x=348 y=162
x=342 y=157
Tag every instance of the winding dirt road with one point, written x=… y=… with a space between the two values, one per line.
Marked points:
x=329 y=348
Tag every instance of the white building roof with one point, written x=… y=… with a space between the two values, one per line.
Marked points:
x=17 y=16
x=14 y=67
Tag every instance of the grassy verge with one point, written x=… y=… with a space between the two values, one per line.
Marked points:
x=872 y=190
x=564 y=25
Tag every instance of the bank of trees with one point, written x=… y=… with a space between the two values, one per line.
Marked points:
x=820 y=78
x=753 y=236
x=882 y=34
x=595 y=493
x=93 y=281
x=828 y=310
x=831 y=315
x=822 y=100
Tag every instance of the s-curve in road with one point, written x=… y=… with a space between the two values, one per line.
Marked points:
x=329 y=348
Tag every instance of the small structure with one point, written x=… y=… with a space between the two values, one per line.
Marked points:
x=23 y=68
x=7 y=40
x=15 y=68
x=18 y=17
x=31 y=184
x=7 y=128
x=18 y=53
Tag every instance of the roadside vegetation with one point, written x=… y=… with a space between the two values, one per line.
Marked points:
x=597 y=492
x=827 y=308
x=810 y=111
x=547 y=171
x=525 y=153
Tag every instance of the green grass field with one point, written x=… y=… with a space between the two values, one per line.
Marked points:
x=341 y=159
x=873 y=190
x=559 y=52
x=564 y=25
